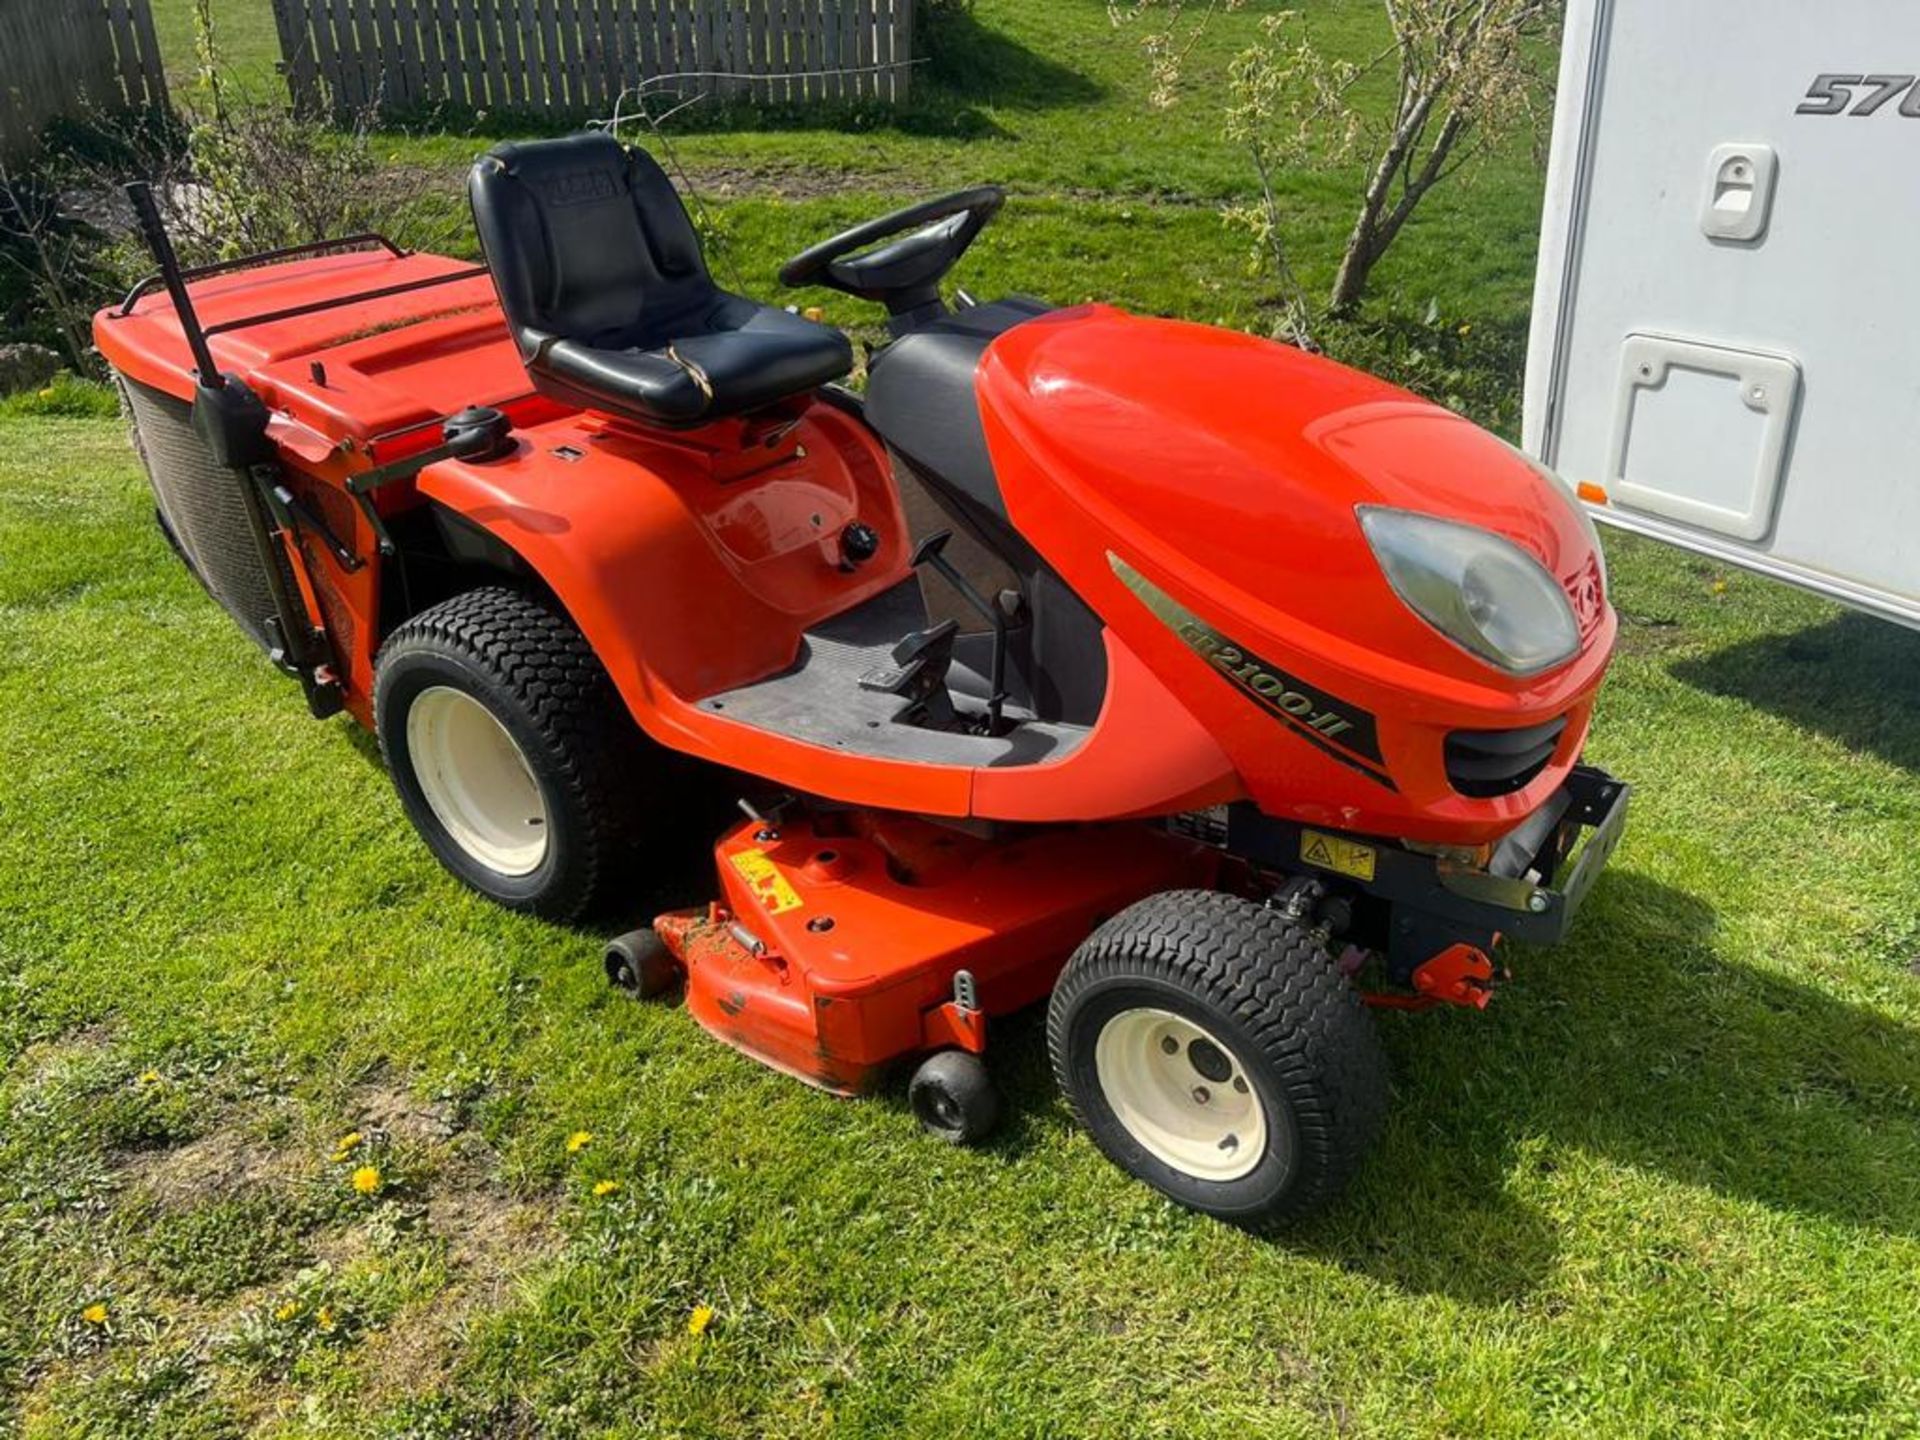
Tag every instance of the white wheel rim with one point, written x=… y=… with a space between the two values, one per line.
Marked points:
x=476 y=781
x=1203 y=1119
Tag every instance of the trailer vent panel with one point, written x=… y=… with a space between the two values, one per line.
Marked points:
x=1485 y=763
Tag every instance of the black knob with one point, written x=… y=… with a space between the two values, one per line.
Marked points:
x=859 y=543
x=478 y=433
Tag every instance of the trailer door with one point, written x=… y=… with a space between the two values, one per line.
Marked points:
x=1725 y=318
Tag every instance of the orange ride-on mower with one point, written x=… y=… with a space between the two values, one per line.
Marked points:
x=1232 y=693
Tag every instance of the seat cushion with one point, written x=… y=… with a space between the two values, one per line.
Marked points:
x=736 y=358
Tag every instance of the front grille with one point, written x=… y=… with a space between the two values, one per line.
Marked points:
x=1483 y=763
x=206 y=508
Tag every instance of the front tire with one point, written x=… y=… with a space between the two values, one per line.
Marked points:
x=514 y=756
x=1212 y=1049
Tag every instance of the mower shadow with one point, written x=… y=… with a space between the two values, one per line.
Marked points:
x=1635 y=1044
x=1855 y=679
x=1641 y=1046
x=364 y=743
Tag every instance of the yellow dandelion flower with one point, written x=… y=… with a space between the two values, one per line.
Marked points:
x=367 y=1179
x=606 y=1187
x=147 y=1077
x=579 y=1141
x=95 y=1314
x=324 y=1318
x=347 y=1141
x=700 y=1319
x=286 y=1311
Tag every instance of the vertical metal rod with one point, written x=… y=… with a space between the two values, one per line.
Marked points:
x=930 y=554
x=140 y=193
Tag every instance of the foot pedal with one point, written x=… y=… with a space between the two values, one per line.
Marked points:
x=920 y=661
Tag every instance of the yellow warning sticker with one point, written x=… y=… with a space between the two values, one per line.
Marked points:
x=770 y=887
x=1343 y=857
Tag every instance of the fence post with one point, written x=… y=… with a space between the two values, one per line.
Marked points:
x=903 y=47
x=296 y=58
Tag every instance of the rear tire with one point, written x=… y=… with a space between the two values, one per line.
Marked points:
x=513 y=754
x=1212 y=1049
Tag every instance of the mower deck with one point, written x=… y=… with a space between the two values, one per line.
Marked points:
x=839 y=936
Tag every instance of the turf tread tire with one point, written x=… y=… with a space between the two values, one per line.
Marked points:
x=1278 y=988
x=536 y=656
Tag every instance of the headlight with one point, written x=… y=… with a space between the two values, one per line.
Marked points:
x=1485 y=594
x=1559 y=482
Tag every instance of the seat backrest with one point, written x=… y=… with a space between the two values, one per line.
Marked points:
x=587 y=241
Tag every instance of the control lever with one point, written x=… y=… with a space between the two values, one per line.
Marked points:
x=919 y=670
x=767 y=816
x=478 y=433
x=932 y=551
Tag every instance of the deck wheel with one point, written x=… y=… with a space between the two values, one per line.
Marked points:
x=639 y=963
x=953 y=1097
x=1214 y=1050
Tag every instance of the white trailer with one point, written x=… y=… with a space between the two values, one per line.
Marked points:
x=1726 y=322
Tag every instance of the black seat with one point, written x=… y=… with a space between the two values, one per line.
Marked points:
x=600 y=274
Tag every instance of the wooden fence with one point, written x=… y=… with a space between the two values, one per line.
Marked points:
x=574 y=58
x=74 y=58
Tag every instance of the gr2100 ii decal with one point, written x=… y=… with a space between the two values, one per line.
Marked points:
x=1834 y=95
x=1337 y=727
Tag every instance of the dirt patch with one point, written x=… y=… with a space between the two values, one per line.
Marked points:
x=794 y=182
x=45 y=1059
x=220 y=1163
x=1651 y=634
x=489 y=1238
x=714 y=181
x=492 y=1240
x=385 y=1106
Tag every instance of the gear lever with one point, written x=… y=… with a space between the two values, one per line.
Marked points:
x=931 y=551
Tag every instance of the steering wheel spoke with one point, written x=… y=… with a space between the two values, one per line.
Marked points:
x=899 y=259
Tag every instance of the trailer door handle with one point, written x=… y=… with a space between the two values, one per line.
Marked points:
x=1739 y=194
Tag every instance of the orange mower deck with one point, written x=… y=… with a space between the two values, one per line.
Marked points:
x=835 y=946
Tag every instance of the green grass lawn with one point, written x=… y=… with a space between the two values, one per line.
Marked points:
x=1047 y=99
x=1669 y=1183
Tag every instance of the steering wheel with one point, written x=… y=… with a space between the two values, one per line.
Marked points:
x=904 y=275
